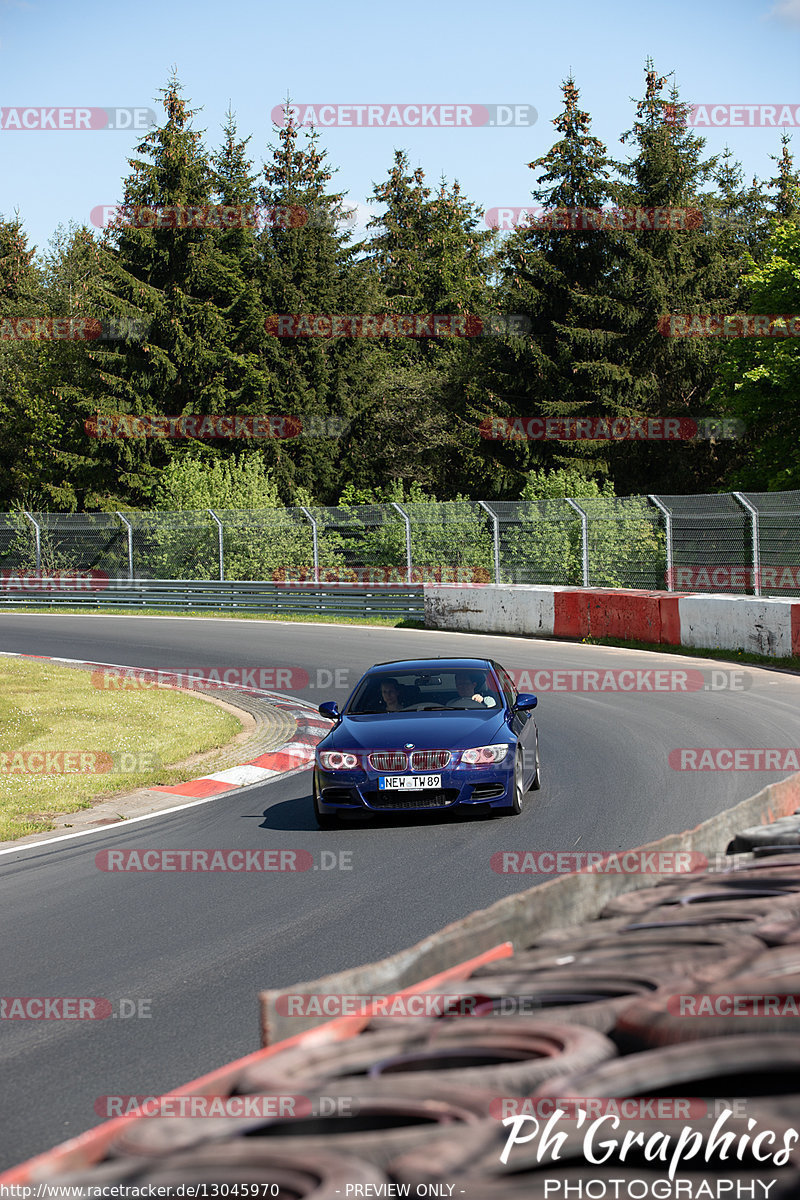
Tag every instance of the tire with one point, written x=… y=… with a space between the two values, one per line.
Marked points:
x=325 y=821
x=516 y=807
x=536 y=782
x=702 y=1068
x=655 y=1021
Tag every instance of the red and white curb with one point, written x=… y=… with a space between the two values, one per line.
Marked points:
x=293 y=756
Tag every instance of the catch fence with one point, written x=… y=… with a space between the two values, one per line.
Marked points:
x=745 y=543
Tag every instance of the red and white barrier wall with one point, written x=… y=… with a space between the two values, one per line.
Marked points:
x=710 y=622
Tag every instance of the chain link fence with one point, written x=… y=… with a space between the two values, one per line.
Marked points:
x=745 y=543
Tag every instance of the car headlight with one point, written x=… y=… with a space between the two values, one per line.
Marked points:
x=337 y=760
x=484 y=756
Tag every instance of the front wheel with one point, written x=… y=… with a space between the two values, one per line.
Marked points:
x=536 y=782
x=516 y=806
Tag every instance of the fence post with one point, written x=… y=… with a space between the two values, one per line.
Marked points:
x=584 y=538
x=129 y=528
x=668 y=531
x=219 y=537
x=405 y=517
x=745 y=503
x=495 y=537
x=304 y=510
x=38 y=543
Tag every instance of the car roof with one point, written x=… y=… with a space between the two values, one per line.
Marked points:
x=433 y=664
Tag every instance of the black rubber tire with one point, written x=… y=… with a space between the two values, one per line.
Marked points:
x=536 y=782
x=515 y=808
x=734 y=1065
x=649 y=1021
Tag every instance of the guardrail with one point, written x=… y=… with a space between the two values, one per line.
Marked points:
x=363 y=600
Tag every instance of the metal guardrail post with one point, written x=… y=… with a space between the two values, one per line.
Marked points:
x=584 y=538
x=407 y=521
x=221 y=551
x=745 y=503
x=38 y=542
x=304 y=510
x=129 y=528
x=495 y=537
x=668 y=531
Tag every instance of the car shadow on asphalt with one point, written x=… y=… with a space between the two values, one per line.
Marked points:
x=297 y=815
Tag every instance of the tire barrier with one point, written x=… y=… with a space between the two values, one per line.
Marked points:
x=749 y=1064
x=516 y=1053
x=587 y=1014
x=373 y=1119
x=783 y=832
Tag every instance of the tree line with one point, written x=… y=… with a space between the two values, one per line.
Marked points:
x=565 y=320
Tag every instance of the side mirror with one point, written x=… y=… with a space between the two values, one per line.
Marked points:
x=525 y=702
x=329 y=709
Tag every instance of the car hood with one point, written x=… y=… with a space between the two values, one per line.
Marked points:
x=454 y=730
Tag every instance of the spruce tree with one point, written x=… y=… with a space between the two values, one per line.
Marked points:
x=557 y=271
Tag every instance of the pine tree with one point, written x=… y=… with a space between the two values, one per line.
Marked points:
x=662 y=272
x=33 y=421
x=786 y=204
x=307 y=266
x=431 y=257
x=155 y=270
x=560 y=279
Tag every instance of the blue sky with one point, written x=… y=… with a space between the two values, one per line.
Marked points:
x=249 y=54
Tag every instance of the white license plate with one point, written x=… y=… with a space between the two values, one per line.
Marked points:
x=408 y=783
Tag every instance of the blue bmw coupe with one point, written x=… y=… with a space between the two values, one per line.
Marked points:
x=428 y=733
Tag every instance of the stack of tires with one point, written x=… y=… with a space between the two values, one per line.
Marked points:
x=668 y=1026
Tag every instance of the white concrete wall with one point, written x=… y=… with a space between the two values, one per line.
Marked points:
x=760 y=626
x=518 y=609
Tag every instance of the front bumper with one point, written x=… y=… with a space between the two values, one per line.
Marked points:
x=357 y=791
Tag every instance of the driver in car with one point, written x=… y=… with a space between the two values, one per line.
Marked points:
x=390 y=695
x=471 y=685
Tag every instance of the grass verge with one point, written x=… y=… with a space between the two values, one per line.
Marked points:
x=316 y=618
x=49 y=708
x=737 y=656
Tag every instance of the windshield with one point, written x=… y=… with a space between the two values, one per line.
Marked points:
x=387 y=692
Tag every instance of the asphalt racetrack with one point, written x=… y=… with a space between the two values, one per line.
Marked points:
x=193 y=949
